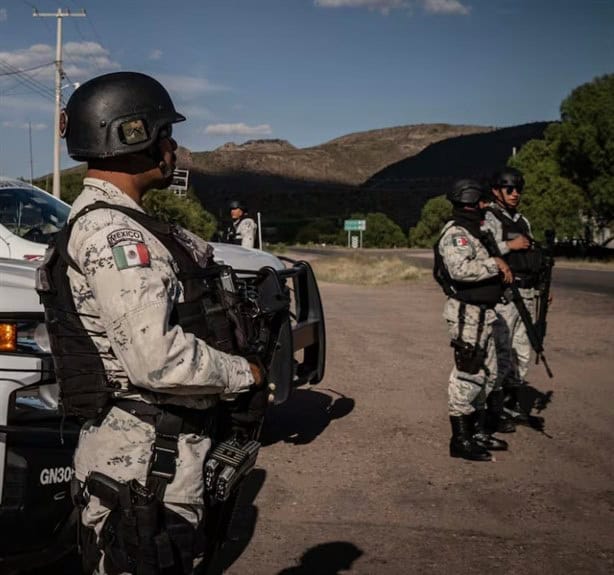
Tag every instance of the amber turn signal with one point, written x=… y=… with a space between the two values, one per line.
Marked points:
x=8 y=337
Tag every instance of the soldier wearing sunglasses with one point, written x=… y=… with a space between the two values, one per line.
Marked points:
x=512 y=233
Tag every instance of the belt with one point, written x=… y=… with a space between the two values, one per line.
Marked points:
x=198 y=421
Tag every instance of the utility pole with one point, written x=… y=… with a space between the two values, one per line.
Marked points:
x=31 y=160
x=59 y=74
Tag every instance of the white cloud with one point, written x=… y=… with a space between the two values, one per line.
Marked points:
x=36 y=126
x=188 y=86
x=3 y=15
x=385 y=6
x=238 y=129
x=155 y=54
x=81 y=60
x=446 y=7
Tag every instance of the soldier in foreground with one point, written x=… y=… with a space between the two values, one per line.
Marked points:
x=512 y=233
x=128 y=352
x=472 y=280
x=242 y=231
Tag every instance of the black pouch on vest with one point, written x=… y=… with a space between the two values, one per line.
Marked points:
x=468 y=358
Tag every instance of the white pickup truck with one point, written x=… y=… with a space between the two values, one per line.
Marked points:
x=37 y=519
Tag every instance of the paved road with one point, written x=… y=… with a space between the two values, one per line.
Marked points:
x=598 y=281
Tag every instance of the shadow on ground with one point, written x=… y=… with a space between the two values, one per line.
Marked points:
x=243 y=524
x=326 y=559
x=533 y=402
x=304 y=416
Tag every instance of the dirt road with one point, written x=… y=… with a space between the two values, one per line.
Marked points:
x=357 y=479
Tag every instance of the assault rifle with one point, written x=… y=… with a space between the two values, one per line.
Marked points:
x=543 y=285
x=513 y=294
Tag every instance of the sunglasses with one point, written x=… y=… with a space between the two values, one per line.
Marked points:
x=509 y=190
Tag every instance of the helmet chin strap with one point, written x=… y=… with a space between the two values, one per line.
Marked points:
x=157 y=158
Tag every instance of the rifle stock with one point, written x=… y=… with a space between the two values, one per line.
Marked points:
x=512 y=293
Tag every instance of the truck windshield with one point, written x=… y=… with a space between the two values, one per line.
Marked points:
x=32 y=214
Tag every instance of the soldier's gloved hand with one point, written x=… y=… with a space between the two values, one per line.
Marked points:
x=519 y=243
x=508 y=276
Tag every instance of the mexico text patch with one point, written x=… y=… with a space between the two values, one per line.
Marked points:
x=125 y=235
x=131 y=255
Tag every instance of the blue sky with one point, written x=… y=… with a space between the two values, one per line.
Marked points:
x=304 y=70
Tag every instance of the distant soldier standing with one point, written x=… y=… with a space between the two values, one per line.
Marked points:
x=472 y=281
x=242 y=231
x=512 y=232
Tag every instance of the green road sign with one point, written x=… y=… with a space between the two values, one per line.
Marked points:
x=355 y=225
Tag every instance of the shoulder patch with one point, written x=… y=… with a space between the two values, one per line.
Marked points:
x=130 y=256
x=460 y=241
x=124 y=235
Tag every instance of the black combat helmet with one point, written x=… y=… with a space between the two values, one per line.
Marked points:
x=465 y=192
x=236 y=204
x=116 y=114
x=508 y=178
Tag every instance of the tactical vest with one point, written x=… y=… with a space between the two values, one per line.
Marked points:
x=206 y=312
x=233 y=236
x=486 y=292
x=523 y=263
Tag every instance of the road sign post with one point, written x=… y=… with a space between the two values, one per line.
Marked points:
x=354 y=226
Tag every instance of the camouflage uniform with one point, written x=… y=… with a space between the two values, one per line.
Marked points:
x=125 y=295
x=513 y=345
x=467 y=260
x=245 y=232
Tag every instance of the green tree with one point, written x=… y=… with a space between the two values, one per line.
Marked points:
x=435 y=213
x=570 y=173
x=319 y=230
x=585 y=149
x=550 y=201
x=185 y=211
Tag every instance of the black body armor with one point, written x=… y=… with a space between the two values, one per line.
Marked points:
x=487 y=292
x=525 y=264
x=210 y=311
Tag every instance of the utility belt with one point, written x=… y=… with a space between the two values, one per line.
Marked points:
x=198 y=421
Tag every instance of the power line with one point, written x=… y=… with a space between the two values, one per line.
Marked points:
x=22 y=70
x=26 y=80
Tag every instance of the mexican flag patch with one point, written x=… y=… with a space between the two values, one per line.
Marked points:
x=461 y=241
x=133 y=255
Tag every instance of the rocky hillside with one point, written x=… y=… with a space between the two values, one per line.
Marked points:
x=348 y=160
x=391 y=170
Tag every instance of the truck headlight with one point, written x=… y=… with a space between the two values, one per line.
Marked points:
x=29 y=336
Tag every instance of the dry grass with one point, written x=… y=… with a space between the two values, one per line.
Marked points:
x=365 y=270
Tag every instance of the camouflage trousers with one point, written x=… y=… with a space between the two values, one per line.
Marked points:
x=121 y=448
x=512 y=342
x=468 y=391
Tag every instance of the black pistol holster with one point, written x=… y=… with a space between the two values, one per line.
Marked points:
x=141 y=535
x=468 y=358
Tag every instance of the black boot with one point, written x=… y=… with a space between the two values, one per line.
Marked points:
x=497 y=420
x=462 y=443
x=482 y=437
x=516 y=406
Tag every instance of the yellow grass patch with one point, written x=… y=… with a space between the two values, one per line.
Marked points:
x=365 y=270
